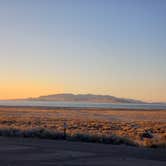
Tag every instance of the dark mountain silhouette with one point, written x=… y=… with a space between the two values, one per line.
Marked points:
x=85 y=98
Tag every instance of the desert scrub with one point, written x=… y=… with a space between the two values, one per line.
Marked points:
x=38 y=133
x=86 y=125
x=48 y=134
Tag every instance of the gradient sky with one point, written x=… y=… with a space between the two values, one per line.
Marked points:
x=115 y=47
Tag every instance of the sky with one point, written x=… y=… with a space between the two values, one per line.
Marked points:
x=114 y=47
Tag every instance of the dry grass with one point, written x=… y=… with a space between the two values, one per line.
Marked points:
x=133 y=127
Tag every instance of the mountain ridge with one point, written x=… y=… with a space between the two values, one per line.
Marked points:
x=84 y=98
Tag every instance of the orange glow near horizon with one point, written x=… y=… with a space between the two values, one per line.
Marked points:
x=25 y=86
x=106 y=48
x=16 y=90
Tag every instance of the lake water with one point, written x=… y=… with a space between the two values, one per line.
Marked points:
x=82 y=105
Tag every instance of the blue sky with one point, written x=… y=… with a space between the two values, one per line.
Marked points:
x=112 y=47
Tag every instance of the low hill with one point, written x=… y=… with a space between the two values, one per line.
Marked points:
x=85 y=98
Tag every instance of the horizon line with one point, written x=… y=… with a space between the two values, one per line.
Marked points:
x=24 y=98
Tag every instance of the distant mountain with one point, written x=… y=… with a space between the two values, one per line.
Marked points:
x=85 y=98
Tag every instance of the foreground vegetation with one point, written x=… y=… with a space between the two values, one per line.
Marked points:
x=49 y=134
x=45 y=123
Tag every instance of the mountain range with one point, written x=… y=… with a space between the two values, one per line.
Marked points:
x=84 y=98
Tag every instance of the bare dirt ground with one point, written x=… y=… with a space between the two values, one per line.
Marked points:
x=38 y=152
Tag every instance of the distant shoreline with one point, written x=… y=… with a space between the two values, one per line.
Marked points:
x=81 y=108
x=83 y=105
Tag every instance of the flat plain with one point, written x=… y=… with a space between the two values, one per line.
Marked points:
x=145 y=128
